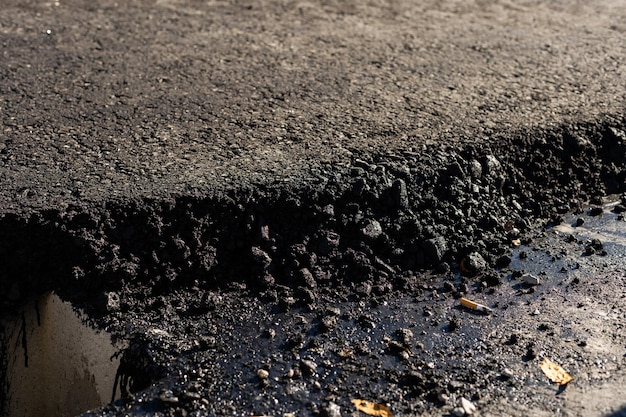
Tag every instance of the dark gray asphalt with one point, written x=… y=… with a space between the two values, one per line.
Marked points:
x=102 y=100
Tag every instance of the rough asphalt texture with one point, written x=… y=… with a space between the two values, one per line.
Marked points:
x=159 y=157
x=104 y=100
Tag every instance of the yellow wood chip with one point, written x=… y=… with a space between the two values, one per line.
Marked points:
x=555 y=372
x=372 y=409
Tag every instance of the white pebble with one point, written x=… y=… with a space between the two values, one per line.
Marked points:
x=468 y=407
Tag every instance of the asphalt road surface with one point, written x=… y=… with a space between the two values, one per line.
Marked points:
x=110 y=99
x=276 y=205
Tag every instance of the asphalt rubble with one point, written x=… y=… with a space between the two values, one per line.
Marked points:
x=293 y=299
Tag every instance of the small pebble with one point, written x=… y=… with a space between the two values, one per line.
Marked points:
x=458 y=412
x=191 y=396
x=507 y=373
x=308 y=367
x=262 y=374
x=454 y=324
x=530 y=279
x=332 y=410
x=595 y=211
x=454 y=386
x=167 y=396
x=468 y=407
x=405 y=335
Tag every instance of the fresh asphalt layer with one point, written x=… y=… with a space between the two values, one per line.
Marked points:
x=105 y=100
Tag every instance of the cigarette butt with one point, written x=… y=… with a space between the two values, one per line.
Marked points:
x=475 y=306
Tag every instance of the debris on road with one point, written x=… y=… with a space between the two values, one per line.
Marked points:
x=555 y=373
x=475 y=306
x=372 y=409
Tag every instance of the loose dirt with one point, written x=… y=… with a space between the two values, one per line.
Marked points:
x=277 y=205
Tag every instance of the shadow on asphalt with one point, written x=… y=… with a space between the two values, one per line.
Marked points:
x=619 y=413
